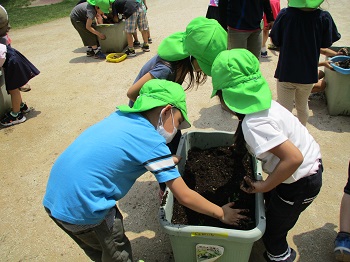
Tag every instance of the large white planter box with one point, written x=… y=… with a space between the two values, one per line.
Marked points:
x=237 y=244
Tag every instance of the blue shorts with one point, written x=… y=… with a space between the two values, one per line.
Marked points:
x=136 y=20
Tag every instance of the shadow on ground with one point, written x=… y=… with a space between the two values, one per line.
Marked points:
x=316 y=245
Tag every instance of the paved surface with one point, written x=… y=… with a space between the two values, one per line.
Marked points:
x=73 y=92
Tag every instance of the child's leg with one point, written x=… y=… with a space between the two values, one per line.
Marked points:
x=104 y=242
x=254 y=43
x=320 y=86
x=321 y=74
x=142 y=23
x=342 y=241
x=130 y=40
x=136 y=39
x=16 y=100
x=302 y=94
x=286 y=204
x=15 y=116
x=237 y=39
x=265 y=37
x=143 y=27
x=149 y=36
x=145 y=36
x=344 y=225
x=285 y=94
x=130 y=28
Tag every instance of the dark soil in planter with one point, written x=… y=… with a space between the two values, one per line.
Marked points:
x=216 y=174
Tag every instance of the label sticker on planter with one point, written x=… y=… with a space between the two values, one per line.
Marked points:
x=208 y=253
x=202 y=234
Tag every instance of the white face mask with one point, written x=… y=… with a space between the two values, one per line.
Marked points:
x=160 y=128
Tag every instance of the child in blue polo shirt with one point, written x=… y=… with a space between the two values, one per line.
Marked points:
x=103 y=163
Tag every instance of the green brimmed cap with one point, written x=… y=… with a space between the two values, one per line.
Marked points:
x=236 y=72
x=203 y=39
x=158 y=92
x=305 y=3
x=104 y=5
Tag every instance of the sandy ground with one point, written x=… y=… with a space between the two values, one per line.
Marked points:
x=73 y=92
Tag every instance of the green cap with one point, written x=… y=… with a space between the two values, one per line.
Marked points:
x=203 y=39
x=159 y=92
x=305 y=3
x=104 y=5
x=236 y=72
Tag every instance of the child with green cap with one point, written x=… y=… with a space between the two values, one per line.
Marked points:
x=82 y=18
x=289 y=154
x=183 y=54
x=134 y=15
x=300 y=31
x=102 y=164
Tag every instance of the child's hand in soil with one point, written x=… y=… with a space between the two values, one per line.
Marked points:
x=176 y=159
x=233 y=216
x=251 y=185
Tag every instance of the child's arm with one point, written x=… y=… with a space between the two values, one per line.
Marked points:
x=134 y=90
x=196 y=202
x=3 y=51
x=328 y=52
x=268 y=12
x=326 y=63
x=99 y=19
x=290 y=159
x=92 y=30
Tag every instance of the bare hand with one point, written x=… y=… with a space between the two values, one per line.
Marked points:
x=102 y=36
x=233 y=216
x=250 y=185
x=328 y=65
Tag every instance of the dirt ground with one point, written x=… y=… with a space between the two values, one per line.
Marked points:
x=73 y=92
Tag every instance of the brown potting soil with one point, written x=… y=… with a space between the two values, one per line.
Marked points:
x=216 y=174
